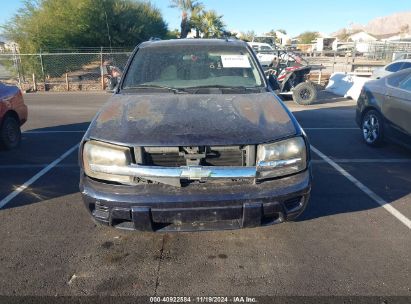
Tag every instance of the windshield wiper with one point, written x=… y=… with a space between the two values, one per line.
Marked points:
x=155 y=86
x=225 y=88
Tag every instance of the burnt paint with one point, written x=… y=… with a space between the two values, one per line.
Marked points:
x=166 y=119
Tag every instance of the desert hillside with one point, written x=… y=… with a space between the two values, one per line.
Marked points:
x=399 y=22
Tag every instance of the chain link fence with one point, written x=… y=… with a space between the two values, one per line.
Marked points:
x=61 y=71
x=389 y=50
x=88 y=68
x=359 y=58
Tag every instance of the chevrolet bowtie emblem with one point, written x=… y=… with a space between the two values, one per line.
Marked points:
x=195 y=173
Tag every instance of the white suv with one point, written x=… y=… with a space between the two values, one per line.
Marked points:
x=391 y=68
x=265 y=52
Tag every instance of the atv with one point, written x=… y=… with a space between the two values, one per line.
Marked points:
x=292 y=75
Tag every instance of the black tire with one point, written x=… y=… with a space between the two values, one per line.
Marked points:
x=305 y=93
x=10 y=133
x=372 y=127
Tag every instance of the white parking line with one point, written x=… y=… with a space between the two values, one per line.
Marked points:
x=34 y=166
x=16 y=192
x=365 y=160
x=402 y=218
x=342 y=128
x=53 y=131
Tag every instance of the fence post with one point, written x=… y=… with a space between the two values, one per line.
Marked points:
x=34 y=83
x=320 y=75
x=67 y=83
x=17 y=66
x=42 y=70
x=102 y=69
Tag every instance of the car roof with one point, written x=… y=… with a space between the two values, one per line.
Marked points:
x=192 y=41
x=400 y=60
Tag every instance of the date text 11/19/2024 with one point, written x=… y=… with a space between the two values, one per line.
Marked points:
x=203 y=299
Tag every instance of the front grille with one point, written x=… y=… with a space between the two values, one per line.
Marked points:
x=201 y=156
x=164 y=160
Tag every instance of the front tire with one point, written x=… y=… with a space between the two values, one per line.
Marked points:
x=10 y=133
x=305 y=93
x=372 y=126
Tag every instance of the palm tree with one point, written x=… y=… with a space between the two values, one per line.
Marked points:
x=212 y=24
x=196 y=21
x=187 y=8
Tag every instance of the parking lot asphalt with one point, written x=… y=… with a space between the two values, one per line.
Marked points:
x=353 y=238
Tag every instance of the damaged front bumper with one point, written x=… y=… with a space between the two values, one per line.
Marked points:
x=212 y=205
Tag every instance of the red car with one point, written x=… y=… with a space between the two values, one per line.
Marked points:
x=13 y=114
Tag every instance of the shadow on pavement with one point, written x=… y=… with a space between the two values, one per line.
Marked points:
x=39 y=148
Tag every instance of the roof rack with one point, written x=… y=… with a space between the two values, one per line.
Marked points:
x=154 y=39
x=228 y=37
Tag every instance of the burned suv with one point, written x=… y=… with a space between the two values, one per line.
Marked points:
x=194 y=139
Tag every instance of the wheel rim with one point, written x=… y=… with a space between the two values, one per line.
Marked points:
x=305 y=94
x=371 y=128
x=12 y=132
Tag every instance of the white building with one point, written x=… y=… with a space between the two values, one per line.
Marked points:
x=282 y=38
x=361 y=37
x=325 y=43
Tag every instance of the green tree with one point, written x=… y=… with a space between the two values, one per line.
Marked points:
x=187 y=8
x=47 y=24
x=174 y=34
x=247 y=36
x=212 y=25
x=282 y=31
x=196 y=20
x=308 y=37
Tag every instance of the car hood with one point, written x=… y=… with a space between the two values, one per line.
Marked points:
x=191 y=119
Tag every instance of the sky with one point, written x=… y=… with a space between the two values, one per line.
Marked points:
x=296 y=16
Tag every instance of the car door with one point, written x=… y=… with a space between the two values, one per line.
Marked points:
x=397 y=105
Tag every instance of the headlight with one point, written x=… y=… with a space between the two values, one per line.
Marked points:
x=281 y=158
x=100 y=153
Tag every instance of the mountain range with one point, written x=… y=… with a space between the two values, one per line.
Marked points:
x=392 y=24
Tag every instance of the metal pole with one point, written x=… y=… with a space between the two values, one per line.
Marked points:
x=16 y=65
x=42 y=70
x=102 y=69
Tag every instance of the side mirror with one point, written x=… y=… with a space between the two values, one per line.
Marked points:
x=272 y=82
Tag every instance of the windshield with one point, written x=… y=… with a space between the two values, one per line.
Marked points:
x=193 y=66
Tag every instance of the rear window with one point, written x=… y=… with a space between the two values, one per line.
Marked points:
x=394 y=67
x=406 y=65
x=266 y=48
